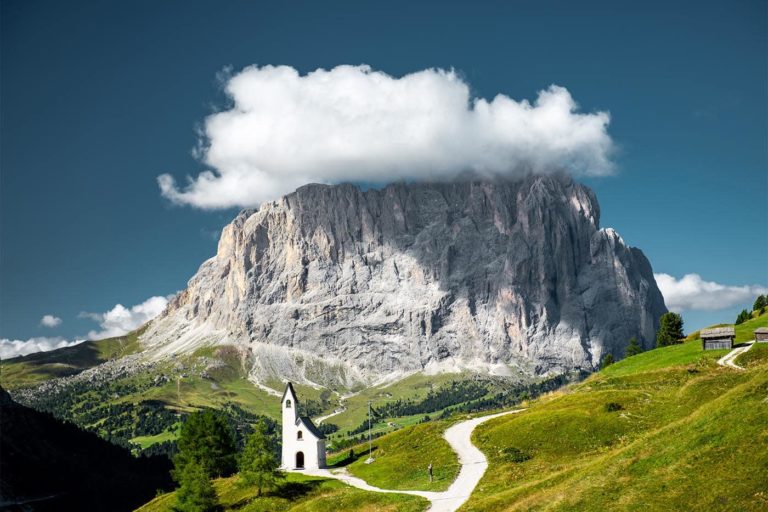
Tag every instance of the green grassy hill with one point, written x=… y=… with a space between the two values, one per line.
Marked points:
x=668 y=429
x=35 y=368
x=300 y=493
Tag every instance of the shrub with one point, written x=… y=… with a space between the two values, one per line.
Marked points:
x=613 y=407
x=516 y=455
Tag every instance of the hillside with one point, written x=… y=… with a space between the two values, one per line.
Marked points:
x=52 y=465
x=668 y=429
x=299 y=494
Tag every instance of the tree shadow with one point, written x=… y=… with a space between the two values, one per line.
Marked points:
x=349 y=460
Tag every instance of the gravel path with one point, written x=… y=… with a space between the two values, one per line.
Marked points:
x=473 y=465
x=727 y=359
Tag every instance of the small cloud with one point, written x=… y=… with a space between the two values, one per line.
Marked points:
x=691 y=292
x=352 y=123
x=14 y=348
x=50 y=321
x=121 y=320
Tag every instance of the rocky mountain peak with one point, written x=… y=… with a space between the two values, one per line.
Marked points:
x=332 y=283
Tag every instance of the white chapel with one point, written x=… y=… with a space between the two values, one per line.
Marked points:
x=303 y=444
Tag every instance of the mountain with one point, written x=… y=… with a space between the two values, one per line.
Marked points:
x=338 y=286
x=48 y=464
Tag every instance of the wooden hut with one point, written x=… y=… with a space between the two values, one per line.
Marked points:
x=719 y=337
x=761 y=334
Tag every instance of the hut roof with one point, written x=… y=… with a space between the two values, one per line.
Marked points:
x=761 y=330
x=718 y=332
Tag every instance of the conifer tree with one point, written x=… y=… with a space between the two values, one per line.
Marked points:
x=258 y=463
x=206 y=440
x=633 y=348
x=670 y=329
x=760 y=303
x=196 y=492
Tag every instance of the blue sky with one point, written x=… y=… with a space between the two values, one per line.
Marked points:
x=99 y=98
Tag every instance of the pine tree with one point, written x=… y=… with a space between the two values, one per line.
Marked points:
x=760 y=303
x=743 y=317
x=258 y=463
x=670 y=330
x=196 y=493
x=206 y=440
x=607 y=361
x=633 y=348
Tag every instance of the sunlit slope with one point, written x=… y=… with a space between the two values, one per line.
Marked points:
x=668 y=429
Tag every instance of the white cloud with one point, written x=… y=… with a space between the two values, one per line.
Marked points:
x=351 y=123
x=50 y=321
x=15 y=348
x=691 y=292
x=120 y=320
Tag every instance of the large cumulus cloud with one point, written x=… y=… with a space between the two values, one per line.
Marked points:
x=352 y=123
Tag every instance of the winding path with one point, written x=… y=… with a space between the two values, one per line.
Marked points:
x=473 y=466
x=729 y=358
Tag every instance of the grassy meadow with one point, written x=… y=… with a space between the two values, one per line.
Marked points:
x=299 y=493
x=667 y=429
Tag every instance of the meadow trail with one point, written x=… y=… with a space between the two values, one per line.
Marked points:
x=728 y=359
x=473 y=465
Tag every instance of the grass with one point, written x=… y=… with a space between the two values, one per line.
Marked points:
x=664 y=430
x=745 y=331
x=299 y=493
x=412 y=387
x=35 y=368
x=401 y=459
x=147 y=441
x=756 y=355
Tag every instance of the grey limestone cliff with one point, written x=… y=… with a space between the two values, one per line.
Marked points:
x=332 y=283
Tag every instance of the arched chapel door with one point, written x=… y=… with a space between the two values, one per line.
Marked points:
x=300 y=460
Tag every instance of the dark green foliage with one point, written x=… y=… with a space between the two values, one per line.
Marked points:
x=206 y=439
x=516 y=455
x=633 y=348
x=743 y=317
x=196 y=492
x=607 y=361
x=327 y=428
x=612 y=407
x=41 y=456
x=258 y=462
x=760 y=303
x=670 y=330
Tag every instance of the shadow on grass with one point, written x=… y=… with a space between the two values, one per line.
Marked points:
x=287 y=490
x=349 y=460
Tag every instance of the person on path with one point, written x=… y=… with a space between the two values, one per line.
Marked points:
x=429 y=470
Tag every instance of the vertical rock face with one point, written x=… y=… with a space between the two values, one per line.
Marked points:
x=498 y=276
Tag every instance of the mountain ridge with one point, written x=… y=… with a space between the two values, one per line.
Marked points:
x=334 y=285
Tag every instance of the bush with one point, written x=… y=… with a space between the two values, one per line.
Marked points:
x=512 y=454
x=613 y=407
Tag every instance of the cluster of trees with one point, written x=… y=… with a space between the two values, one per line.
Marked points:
x=207 y=449
x=759 y=307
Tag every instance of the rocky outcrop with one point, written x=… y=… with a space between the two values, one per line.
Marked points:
x=336 y=284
